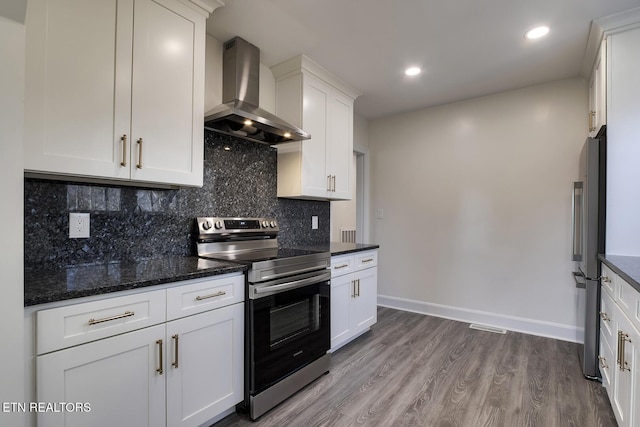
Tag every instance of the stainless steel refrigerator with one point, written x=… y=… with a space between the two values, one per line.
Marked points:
x=588 y=241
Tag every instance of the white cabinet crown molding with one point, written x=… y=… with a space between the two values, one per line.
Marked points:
x=303 y=63
x=600 y=28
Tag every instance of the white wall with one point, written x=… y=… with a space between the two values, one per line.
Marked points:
x=12 y=42
x=476 y=200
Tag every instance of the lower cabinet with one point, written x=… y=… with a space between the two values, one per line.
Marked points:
x=115 y=378
x=626 y=382
x=181 y=372
x=353 y=296
x=620 y=347
x=204 y=370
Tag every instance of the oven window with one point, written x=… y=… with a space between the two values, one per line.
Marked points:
x=294 y=320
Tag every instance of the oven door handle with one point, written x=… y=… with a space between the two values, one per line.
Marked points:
x=265 y=288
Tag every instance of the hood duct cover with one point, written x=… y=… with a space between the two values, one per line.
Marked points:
x=239 y=115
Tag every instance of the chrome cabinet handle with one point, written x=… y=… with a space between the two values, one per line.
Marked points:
x=605 y=279
x=123 y=138
x=353 y=289
x=175 y=349
x=328 y=182
x=139 y=165
x=333 y=185
x=339 y=267
x=603 y=363
x=108 y=319
x=604 y=316
x=217 y=294
x=367 y=260
x=624 y=338
x=358 y=294
x=159 y=370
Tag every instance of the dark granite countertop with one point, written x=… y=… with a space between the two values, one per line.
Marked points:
x=338 y=248
x=95 y=279
x=627 y=267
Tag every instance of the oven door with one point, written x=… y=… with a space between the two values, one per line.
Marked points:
x=288 y=330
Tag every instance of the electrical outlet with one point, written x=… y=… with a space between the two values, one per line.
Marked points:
x=314 y=222
x=79 y=225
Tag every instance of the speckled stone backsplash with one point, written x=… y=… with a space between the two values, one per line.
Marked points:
x=133 y=223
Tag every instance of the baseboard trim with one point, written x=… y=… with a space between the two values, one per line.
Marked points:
x=510 y=323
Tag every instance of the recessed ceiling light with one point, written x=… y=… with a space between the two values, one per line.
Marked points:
x=537 y=32
x=412 y=71
x=248 y=122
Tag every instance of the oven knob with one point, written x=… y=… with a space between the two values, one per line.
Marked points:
x=272 y=224
x=206 y=225
x=265 y=224
x=218 y=225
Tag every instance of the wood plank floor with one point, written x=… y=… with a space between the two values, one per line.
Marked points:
x=416 y=370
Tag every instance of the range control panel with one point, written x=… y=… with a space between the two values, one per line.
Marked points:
x=216 y=225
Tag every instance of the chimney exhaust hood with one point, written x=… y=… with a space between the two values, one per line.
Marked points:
x=239 y=115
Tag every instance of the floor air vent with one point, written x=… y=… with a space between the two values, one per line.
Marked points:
x=488 y=328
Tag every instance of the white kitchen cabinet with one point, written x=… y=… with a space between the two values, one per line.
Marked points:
x=620 y=348
x=606 y=356
x=184 y=372
x=311 y=98
x=598 y=92
x=115 y=90
x=116 y=377
x=354 y=293
x=205 y=366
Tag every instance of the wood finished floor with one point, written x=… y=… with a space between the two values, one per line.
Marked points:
x=416 y=370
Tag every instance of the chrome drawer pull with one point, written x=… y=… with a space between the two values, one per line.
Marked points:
x=367 y=260
x=108 y=319
x=160 y=369
x=217 y=294
x=175 y=349
x=338 y=267
x=604 y=316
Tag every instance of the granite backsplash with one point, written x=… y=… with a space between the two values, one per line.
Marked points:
x=134 y=223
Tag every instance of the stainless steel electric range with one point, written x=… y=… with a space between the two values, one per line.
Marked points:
x=287 y=333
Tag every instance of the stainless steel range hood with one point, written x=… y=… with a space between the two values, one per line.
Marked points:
x=239 y=115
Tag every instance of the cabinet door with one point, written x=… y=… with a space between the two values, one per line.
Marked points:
x=78 y=82
x=205 y=369
x=365 y=302
x=342 y=293
x=607 y=364
x=116 y=376
x=315 y=178
x=167 y=93
x=626 y=375
x=340 y=146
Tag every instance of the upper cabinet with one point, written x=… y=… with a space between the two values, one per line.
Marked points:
x=115 y=89
x=598 y=92
x=309 y=97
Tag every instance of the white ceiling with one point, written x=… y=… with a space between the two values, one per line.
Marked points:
x=466 y=48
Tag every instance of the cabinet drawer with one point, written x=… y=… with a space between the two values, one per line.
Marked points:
x=71 y=325
x=608 y=280
x=366 y=260
x=629 y=301
x=198 y=296
x=341 y=265
x=607 y=323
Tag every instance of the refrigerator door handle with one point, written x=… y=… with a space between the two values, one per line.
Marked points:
x=581 y=282
x=576 y=215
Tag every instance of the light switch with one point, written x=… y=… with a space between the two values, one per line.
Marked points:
x=314 y=222
x=380 y=213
